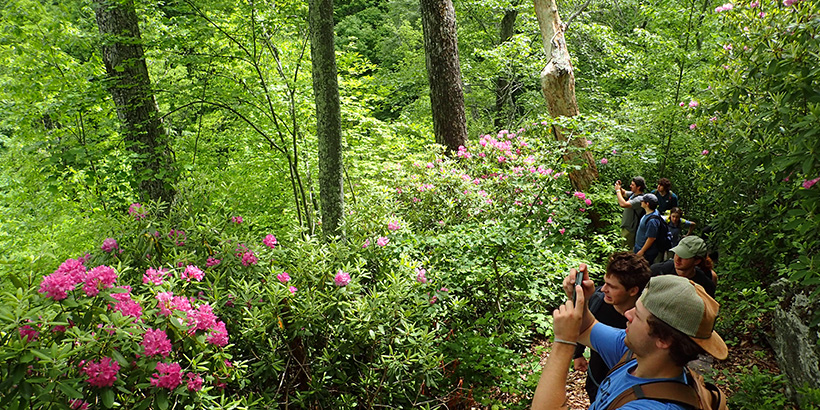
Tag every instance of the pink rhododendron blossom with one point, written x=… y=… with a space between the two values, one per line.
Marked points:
x=270 y=241
x=283 y=277
x=248 y=258
x=156 y=342
x=614 y=151
x=366 y=243
x=155 y=276
x=129 y=308
x=121 y=296
x=712 y=119
x=727 y=47
x=193 y=272
x=178 y=236
x=109 y=244
x=212 y=261
x=77 y=404
x=342 y=278
x=28 y=333
x=194 y=382
x=429 y=165
x=682 y=104
x=201 y=318
x=219 y=335
x=693 y=104
x=588 y=201
x=562 y=230
x=724 y=7
x=416 y=199
x=382 y=241
x=761 y=14
x=693 y=126
x=293 y=289
x=101 y=277
x=580 y=195
x=433 y=299
x=169 y=375
x=604 y=161
x=137 y=211
x=421 y=275
x=102 y=373
x=705 y=152
x=754 y=4
x=810 y=182
x=237 y=220
x=393 y=226
x=549 y=220
x=790 y=2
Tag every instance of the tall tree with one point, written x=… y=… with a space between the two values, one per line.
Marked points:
x=328 y=115
x=558 y=87
x=130 y=87
x=438 y=18
x=505 y=84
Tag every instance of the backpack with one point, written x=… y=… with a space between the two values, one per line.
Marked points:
x=698 y=394
x=664 y=240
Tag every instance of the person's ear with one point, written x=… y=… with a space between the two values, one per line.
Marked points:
x=662 y=344
x=633 y=291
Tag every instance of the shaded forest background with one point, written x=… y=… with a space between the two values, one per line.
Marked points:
x=723 y=101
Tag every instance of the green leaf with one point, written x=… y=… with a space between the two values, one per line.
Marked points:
x=108 y=398
x=162 y=400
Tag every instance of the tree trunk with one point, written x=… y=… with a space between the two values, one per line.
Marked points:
x=328 y=115
x=130 y=87
x=505 y=84
x=438 y=18
x=558 y=87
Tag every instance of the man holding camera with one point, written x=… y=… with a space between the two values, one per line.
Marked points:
x=669 y=326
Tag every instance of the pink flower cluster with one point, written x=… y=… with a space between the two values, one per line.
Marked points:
x=194 y=382
x=155 y=276
x=283 y=277
x=109 y=244
x=219 y=335
x=212 y=261
x=342 y=278
x=102 y=373
x=78 y=404
x=28 y=333
x=156 y=342
x=237 y=220
x=382 y=241
x=192 y=272
x=583 y=196
x=421 y=275
x=178 y=236
x=64 y=279
x=137 y=211
x=810 y=182
x=724 y=7
x=168 y=303
x=788 y=3
x=270 y=241
x=101 y=277
x=463 y=153
x=168 y=376
x=604 y=161
x=247 y=256
x=393 y=226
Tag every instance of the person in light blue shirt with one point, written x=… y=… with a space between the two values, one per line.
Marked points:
x=670 y=325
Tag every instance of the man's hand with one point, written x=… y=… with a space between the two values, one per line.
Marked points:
x=569 y=281
x=580 y=364
x=568 y=317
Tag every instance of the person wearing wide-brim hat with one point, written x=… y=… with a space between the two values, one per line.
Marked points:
x=670 y=325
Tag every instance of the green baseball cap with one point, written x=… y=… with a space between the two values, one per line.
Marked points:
x=690 y=247
x=687 y=307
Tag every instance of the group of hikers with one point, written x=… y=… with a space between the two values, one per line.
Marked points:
x=653 y=315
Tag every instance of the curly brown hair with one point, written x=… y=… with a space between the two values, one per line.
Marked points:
x=630 y=269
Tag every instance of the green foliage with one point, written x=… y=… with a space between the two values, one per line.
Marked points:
x=750 y=314
x=758 y=389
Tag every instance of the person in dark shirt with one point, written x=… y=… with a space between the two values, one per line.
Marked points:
x=690 y=255
x=666 y=198
x=626 y=275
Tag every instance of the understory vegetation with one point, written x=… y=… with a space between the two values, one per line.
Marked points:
x=449 y=266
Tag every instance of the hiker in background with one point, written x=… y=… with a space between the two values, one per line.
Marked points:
x=631 y=202
x=666 y=198
x=626 y=276
x=650 y=230
x=669 y=326
x=676 y=225
x=691 y=262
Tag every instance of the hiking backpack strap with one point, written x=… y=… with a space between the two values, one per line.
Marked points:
x=665 y=391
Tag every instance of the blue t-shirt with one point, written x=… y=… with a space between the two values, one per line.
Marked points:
x=648 y=228
x=609 y=343
x=667 y=202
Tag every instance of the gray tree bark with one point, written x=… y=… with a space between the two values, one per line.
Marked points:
x=505 y=85
x=438 y=18
x=130 y=87
x=328 y=116
x=558 y=87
